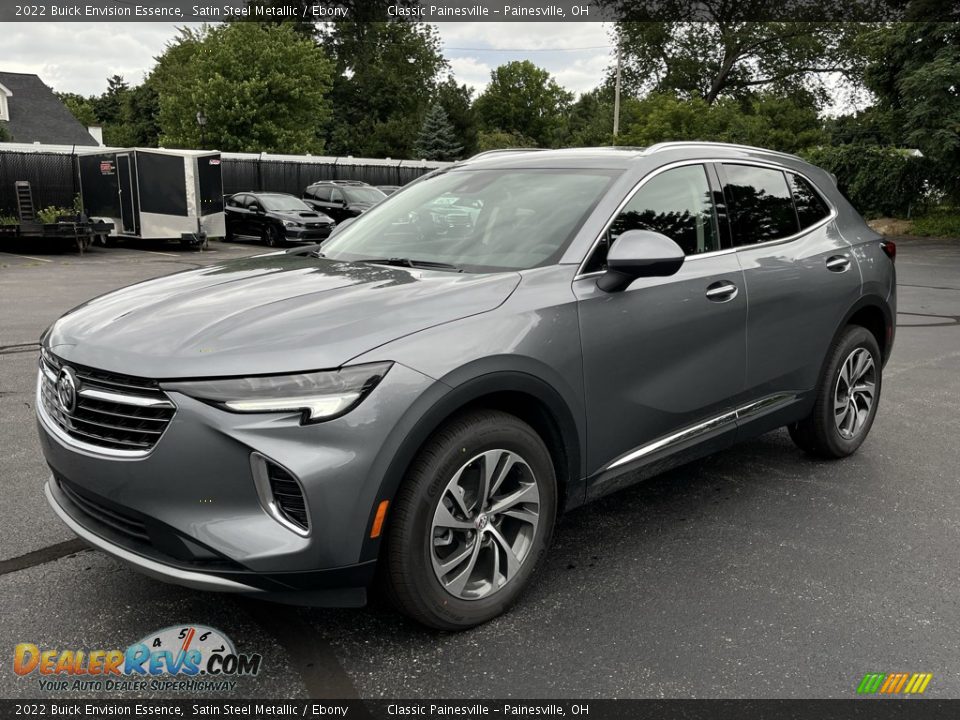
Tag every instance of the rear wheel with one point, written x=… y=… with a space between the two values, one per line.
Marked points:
x=471 y=522
x=847 y=397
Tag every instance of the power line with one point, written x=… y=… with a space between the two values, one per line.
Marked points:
x=591 y=47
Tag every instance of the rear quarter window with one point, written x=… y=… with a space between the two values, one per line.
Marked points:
x=811 y=207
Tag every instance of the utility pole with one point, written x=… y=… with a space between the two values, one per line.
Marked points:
x=616 y=98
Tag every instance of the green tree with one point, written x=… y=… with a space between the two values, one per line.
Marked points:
x=457 y=102
x=727 y=57
x=499 y=140
x=524 y=99
x=4 y=133
x=437 y=139
x=915 y=75
x=80 y=107
x=259 y=87
x=386 y=78
x=771 y=121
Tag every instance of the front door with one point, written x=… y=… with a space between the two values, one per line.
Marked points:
x=126 y=190
x=663 y=359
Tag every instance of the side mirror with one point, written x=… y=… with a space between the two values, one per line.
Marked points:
x=640 y=253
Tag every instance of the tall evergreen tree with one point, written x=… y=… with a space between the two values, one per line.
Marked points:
x=437 y=139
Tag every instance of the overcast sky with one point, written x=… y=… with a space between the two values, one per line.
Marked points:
x=78 y=57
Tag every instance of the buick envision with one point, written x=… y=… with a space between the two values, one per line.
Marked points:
x=426 y=391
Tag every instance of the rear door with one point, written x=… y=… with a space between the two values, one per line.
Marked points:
x=801 y=277
x=664 y=359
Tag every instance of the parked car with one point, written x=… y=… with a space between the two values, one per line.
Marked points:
x=275 y=218
x=430 y=402
x=388 y=189
x=342 y=199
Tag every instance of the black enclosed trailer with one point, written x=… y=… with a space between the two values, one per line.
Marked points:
x=154 y=194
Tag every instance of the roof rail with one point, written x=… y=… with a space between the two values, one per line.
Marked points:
x=704 y=143
x=502 y=151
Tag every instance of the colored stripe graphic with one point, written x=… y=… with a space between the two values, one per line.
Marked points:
x=894 y=683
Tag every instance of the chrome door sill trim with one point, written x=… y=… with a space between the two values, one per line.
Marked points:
x=745 y=411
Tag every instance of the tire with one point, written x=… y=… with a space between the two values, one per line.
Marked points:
x=455 y=457
x=833 y=429
x=271 y=237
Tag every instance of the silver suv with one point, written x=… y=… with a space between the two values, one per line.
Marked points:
x=494 y=344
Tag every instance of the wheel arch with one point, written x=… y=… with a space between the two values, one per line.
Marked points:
x=873 y=313
x=527 y=396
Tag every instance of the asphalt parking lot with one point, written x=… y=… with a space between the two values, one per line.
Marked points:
x=755 y=573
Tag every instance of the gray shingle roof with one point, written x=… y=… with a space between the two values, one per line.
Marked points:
x=37 y=115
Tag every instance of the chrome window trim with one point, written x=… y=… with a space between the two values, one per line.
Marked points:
x=714 y=253
x=749 y=410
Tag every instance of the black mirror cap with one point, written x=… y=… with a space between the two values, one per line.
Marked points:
x=640 y=253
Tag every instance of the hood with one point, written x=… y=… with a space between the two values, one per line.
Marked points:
x=269 y=314
x=302 y=216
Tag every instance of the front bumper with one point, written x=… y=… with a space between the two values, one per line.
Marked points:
x=193 y=502
x=305 y=234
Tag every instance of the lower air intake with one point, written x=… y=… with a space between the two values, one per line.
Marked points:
x=280 y=494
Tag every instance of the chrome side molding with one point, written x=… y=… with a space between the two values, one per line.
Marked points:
x=749 y=410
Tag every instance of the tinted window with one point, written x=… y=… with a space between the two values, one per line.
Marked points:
x=336 y=195
x=321 y=192
x=761 y=207
x=367 y=195
x=811 y=208
x=676 y=203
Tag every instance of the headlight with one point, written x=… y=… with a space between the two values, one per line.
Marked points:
x=291 y=223
x=318 y=395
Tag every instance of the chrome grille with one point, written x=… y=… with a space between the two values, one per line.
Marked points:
x=118 y=414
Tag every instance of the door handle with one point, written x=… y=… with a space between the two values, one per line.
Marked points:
x=838 y=263
x=721 y=291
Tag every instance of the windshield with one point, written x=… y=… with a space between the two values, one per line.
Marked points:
x=477 y=220
x=366 y=195
x=284 y=203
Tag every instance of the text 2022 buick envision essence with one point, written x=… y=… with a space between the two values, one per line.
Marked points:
x=429 y=389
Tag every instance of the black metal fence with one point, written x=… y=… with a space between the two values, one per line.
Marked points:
x=53 y=175
x=241 y=174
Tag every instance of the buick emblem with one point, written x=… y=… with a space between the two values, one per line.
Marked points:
x=67 y=390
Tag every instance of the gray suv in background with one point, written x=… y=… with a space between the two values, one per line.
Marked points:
x=413 y=403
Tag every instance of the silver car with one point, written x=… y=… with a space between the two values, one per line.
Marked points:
x=424 y=393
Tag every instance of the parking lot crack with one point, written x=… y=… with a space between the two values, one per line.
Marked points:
x=43 y=555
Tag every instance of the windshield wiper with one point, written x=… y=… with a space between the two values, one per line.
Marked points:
x=410 y=263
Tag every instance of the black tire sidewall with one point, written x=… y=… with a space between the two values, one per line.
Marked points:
x=270 y=236
x=429 y=477
x=836 y=445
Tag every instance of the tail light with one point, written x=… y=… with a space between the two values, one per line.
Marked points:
x=890 y=248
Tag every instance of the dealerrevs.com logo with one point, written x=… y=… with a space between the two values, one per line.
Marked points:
x=191 y=658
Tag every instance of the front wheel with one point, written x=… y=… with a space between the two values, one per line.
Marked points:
x=471 y=522
x=847 y=397
x=271 y=236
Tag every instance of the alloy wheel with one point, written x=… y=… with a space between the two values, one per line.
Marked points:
x=484 y=524
x=854 y=393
